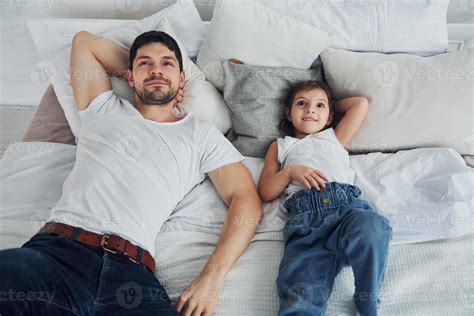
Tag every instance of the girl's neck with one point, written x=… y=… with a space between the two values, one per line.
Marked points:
x=303 y=135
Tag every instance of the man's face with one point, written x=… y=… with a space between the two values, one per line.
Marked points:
x=156 y=75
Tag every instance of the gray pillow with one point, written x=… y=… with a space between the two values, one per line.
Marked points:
x=255 y=96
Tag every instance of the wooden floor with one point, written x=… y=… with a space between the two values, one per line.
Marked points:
x=13 y=123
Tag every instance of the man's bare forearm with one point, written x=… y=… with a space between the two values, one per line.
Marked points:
x=110 y=55
x=239 y=228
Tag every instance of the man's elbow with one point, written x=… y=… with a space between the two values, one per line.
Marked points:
x=251 y=199
x=80 y=38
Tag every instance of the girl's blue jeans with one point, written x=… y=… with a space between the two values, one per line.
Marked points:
x=325 y=232
x=55 y=275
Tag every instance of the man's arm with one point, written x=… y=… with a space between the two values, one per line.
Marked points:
x=93 y=60
x=234 y=184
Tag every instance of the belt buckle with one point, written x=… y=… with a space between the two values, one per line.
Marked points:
x=103 y=244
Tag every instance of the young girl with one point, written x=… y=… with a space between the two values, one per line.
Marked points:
x=328 y=227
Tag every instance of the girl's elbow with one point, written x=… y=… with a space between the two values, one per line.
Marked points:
x=264 y=195
x=261 y=193
x=364 y=103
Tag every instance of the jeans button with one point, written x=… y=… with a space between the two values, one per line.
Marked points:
x=325 y=200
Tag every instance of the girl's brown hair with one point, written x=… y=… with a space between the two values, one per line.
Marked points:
x=285 y=126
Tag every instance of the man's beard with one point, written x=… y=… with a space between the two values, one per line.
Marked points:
x=156 y=96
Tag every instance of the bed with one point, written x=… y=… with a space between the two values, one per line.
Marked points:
x=424 y=188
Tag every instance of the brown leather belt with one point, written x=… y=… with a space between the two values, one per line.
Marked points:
x=110 y=243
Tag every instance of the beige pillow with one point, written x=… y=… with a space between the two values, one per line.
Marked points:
x=414 y=101
x=49 y=123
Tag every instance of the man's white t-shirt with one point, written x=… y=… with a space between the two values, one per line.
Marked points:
x=130 y=172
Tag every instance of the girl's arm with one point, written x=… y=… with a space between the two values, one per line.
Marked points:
x=272 y=180
x=354 y=110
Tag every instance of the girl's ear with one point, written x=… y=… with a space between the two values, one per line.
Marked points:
x=330 y=118
x=287 y=114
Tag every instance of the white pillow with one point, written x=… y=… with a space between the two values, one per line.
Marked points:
x=414 y=101
x=388 y=26
x=200 y=96
x=53 y=35
x=257 y=35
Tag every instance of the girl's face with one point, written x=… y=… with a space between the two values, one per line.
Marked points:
x=309 y=112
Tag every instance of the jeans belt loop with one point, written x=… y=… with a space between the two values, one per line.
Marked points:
x=75 y=233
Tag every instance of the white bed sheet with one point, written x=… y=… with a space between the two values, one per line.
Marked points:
x=426 y=194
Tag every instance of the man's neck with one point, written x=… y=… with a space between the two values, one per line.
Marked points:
x=158 y=113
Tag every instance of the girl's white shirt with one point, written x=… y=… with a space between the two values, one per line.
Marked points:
x=321 y=151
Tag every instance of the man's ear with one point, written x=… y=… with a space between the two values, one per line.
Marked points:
x=130 y=78
x=330 y=118
x=182 y=78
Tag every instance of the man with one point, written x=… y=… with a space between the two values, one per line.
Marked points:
x=134 y=163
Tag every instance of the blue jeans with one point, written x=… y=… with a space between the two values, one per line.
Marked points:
x=324 y=233
x=55 y=275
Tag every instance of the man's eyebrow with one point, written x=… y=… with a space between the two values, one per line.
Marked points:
x=148 y=57
x=169 y=57
x=143 y=57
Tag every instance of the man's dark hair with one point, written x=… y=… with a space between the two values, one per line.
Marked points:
x=285 y=126
x=155 y=37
